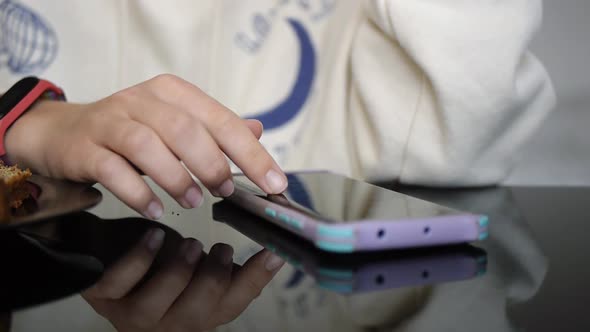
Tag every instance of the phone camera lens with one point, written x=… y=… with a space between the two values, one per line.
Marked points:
x=381 y=233
x=426 y=230
x=425 y=274
x=380 y=279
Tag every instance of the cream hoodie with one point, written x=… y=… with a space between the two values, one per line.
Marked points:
x=428 y=92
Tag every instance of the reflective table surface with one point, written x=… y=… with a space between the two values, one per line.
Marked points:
x=531 y=274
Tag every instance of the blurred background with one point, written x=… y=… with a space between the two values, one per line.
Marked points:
x=559 y=154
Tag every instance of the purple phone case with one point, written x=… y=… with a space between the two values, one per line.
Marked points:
x=367 y=235
x=356 y=274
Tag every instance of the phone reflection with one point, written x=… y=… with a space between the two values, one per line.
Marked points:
x=138 y=274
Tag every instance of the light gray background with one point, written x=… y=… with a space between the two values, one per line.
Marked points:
x=559 y=154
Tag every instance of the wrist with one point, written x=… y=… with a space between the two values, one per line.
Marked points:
x=28 y=140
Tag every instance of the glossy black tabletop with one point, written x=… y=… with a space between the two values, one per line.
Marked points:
x=531 y=274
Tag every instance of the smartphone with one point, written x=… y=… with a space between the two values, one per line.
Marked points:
x=358 y=272
x=343 y=215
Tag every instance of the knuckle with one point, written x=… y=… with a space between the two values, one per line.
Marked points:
x=120 y=101
x=171 y=89
x=225 y=123
x=179 y=125
x=215 y=287
x=137 y=139
x=109 y=166
x=216 y=172
x=124 y=95
x=106 y=167
x=167 y=80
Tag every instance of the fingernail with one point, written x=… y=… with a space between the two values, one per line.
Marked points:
x=226 y=188
x=191 y=250
x=194 y=197
x=155 y=239
x=154 y=210
x=276 y=182
x=273 y=262
x=225 y=254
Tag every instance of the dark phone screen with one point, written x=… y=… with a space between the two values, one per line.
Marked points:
x=335 y=198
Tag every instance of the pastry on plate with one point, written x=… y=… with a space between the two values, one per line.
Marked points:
x=14 y=181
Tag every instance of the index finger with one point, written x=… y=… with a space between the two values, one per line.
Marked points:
x=230 y=132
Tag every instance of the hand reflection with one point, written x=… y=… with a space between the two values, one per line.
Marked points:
x=192 y=291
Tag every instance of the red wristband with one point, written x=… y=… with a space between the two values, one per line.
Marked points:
x=19 y=98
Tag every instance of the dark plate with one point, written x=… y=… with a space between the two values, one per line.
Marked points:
x=52 y=198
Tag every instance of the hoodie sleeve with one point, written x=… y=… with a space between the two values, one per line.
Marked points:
x=445 y=92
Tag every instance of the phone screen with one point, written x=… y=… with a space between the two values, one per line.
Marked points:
x=334 y=198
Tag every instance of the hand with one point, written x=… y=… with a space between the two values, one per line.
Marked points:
x=148 y=128
x=190 y=292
